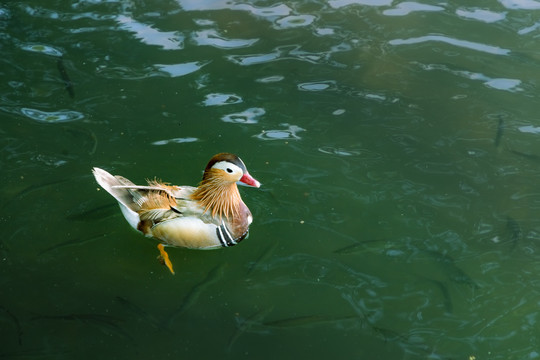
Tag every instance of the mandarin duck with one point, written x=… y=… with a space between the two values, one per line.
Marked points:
x=209 y=216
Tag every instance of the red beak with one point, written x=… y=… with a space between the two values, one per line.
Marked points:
x=248 y=180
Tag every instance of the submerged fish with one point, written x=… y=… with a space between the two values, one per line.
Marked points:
x=80 y=317
x=311 y=224
x=140 y=313
x=84 y=134
x=63 y=74
x=245 y=325
x=15 y=322
x=308 y=320
x=447 y=300
x=389 y=334
x=33 y=188
x=360 y=246
x=193 y=295
x=527 y=156
x=264 y=256
x=453 y=272
x=4 y=243
x=72 y=242
x=100 y=212
x=515 y=232
x=35 y=354
x=500 y=130
x=105 y=323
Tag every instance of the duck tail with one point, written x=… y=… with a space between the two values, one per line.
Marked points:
x=126 y=197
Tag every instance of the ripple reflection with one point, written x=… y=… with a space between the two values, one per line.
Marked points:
x=176 y=70
x=157 y=70
x=294 y=52
x=170 y=40
x=175 y=141
x=511 y=85
x=294 y=21
x=336 y=4
x=53 y=116
x=318 y=86
x=43 y=49
x=270 y=79
x=249 y=116
x=521 y=4
x=218 y=99
x=213 y=38
x=290 y=133
x=407 y=7
x=481 y=15
x=495 y=50
x=365 y=154
x=212 y=5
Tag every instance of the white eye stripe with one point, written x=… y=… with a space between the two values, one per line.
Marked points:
x=228 y=167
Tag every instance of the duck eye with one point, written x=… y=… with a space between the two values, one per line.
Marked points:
x=229 y=170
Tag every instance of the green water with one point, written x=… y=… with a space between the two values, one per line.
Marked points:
x=397 y=145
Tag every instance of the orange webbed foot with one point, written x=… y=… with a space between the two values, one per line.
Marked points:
x=164 y=258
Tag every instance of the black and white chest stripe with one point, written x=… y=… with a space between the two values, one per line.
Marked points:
x=225 y=237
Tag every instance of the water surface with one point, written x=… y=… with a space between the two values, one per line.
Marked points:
x=397 y=145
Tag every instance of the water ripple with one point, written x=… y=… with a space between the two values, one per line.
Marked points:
x=90 y=29
x=290 y=133
x=365 y=154
x=495 y=50
x=49 y=160
x=218 y=99
x=294 y=52
x=124 y=5
x=529 y=29
x=213 y=38
x=249 y=116
x=407 y=7
x=486 y=16
x=175 y=141
x=324 y=31
x=43 y=49
x=170 y=40
x=246 y=60
x=41 y=12
x=212 y=5
x=336 y=4
x=318 y=86
x=511 y=85
x=504 y=84
x=294 y=21
x=176 y=70
x=157 y=70
x=521 y=4
x=52 y=116
x=529 y=129
x=270 y=79
x=319 y=271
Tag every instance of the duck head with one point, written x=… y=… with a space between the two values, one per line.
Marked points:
x=228 y=168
